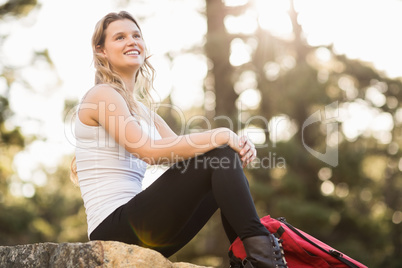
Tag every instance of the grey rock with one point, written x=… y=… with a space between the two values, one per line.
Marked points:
x=91 y=254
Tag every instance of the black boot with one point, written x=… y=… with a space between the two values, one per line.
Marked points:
x=263 y=252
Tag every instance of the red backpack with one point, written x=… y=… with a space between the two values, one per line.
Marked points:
x=301 y=249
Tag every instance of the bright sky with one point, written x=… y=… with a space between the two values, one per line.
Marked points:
x=365 y=29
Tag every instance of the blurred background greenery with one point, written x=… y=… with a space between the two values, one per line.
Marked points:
x=354 y=204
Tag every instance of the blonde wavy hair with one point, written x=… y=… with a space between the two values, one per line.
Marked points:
x=106 y=75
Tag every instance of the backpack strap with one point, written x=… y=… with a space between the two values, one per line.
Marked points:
x=279 y=232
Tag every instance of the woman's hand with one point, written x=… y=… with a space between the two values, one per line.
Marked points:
x=248 y=152
x=244 y=147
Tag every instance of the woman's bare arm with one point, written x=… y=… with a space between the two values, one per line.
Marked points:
x=111 y=112
x=163 y=128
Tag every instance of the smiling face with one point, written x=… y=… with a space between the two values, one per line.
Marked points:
x=124 y=47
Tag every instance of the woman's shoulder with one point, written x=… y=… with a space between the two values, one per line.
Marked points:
x=101 y=92
x=102 y=88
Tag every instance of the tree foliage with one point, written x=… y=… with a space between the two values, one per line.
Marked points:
x=17 y=8
x=31 y=212
x=351 y=205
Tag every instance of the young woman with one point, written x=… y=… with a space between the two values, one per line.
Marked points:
x=117 y=136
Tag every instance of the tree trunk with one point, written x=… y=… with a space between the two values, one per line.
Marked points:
x=218 y=51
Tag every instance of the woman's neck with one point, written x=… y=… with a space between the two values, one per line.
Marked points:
x=129 y=82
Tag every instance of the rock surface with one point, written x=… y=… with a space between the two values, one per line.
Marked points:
x=92 y=254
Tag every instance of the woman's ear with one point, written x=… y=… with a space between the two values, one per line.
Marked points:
x=100 y=50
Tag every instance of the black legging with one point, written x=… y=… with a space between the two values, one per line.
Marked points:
x=173 y=209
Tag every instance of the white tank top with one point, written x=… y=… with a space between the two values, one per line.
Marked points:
x=108 y=175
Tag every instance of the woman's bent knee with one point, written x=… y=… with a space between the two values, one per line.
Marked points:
x=222 y=151
x=223 y=157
